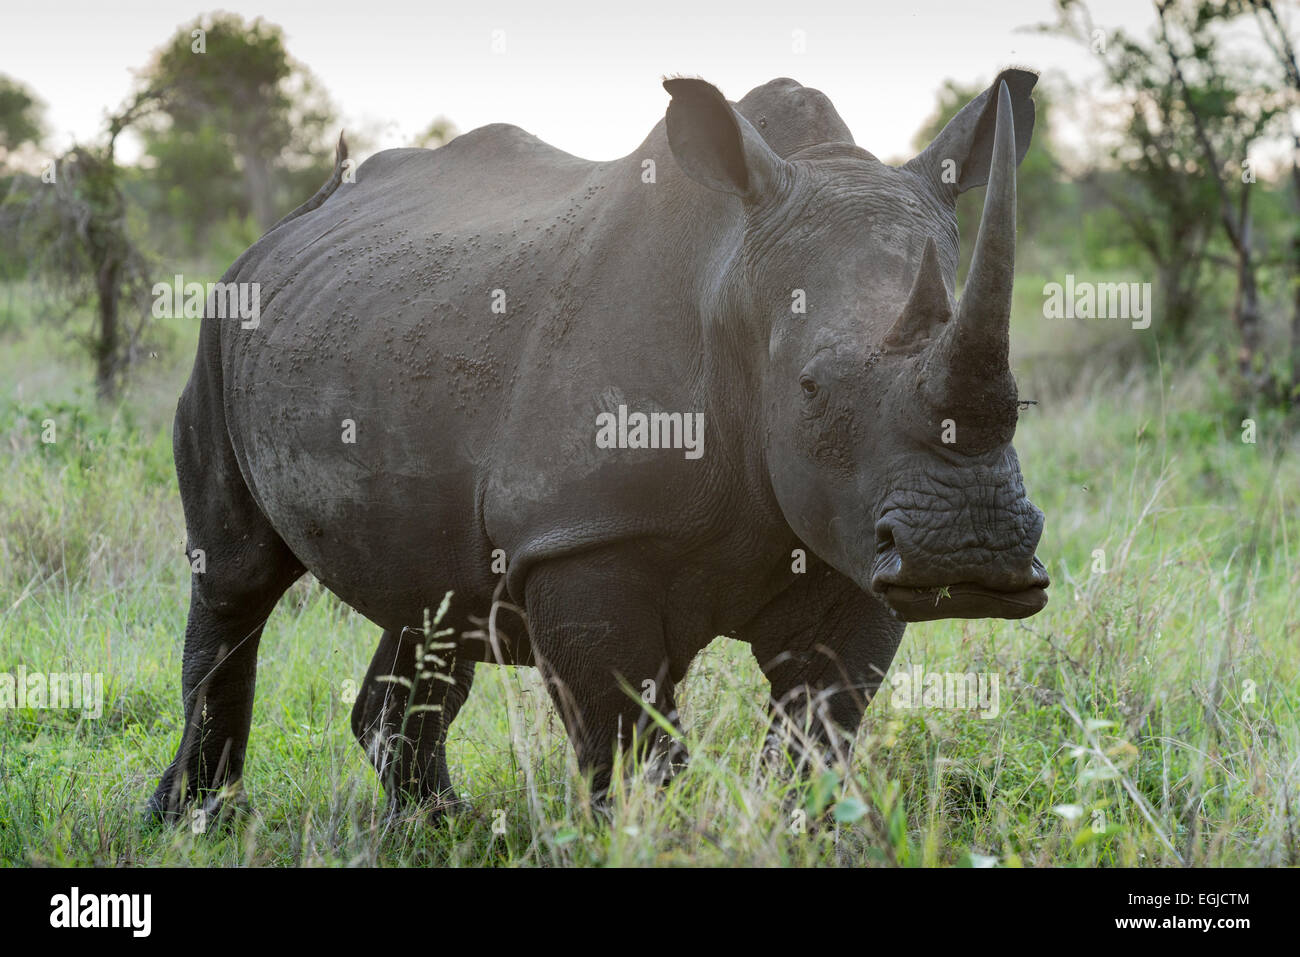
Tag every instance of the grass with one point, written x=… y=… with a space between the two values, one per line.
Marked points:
x=1147 y=717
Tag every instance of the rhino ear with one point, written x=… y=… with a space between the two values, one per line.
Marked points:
x=716 y=146
x=959 y=157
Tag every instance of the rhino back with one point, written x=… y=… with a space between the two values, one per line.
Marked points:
x=473 y=427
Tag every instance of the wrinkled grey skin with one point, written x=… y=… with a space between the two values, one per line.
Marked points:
x=475 y=429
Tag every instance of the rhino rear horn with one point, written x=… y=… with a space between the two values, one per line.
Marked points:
x=927 y=309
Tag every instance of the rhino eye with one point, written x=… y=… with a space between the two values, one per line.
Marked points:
x=809 y=386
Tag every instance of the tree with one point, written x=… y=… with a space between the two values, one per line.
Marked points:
x=227 y=84
x=1165 y=209
x=73 y=222
x=196 y=181
x=21 y=123
x=1192 y=112
x=20 y=117
x=1277 y=38
x=1227 y=118
x=439 y=132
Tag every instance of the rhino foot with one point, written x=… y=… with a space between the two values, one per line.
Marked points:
x=204 y=812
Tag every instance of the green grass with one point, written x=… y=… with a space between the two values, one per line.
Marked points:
x=1161 y=693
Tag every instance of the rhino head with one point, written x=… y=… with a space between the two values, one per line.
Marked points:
x=886 y=406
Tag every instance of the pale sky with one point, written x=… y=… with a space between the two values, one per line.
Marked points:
x=579 y=75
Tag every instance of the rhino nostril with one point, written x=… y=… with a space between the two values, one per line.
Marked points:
x=884 y=540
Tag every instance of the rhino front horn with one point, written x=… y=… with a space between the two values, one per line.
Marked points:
x=973 y=355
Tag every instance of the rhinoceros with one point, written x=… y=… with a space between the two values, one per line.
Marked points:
x=721 y=386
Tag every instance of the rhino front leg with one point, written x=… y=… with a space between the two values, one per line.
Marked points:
x=825 y=646
x=597 y=636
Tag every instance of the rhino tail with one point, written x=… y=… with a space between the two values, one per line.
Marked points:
x=326 y=190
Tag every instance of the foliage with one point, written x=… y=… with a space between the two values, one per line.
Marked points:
x=438 y=132
x=235 y=108
x=75 y=230
x=20 y=116
x=1188 y=108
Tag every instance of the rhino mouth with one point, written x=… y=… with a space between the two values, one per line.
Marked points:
x=962 y=599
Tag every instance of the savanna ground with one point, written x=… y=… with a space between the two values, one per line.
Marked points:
x=1147 y=717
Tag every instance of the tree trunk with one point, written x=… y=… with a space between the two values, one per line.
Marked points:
x=1176 y=294
x=257 y=187
x=1245 y=314
x=1245 y=309
x=1294 y=396
x=106 y=348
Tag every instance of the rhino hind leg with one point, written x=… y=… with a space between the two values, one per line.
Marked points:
x=240 y=568
x=597 y=636
x=402 y=716
x=219 y=669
